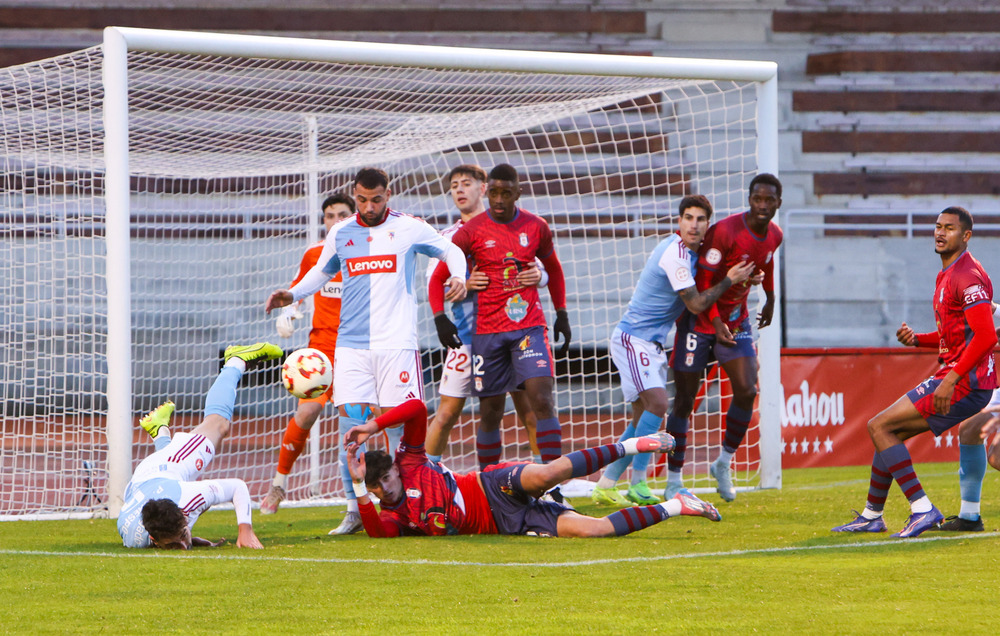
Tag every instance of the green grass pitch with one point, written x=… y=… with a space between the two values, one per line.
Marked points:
x=771 y=566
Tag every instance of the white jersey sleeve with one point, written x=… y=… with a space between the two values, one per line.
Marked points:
x=199 y=496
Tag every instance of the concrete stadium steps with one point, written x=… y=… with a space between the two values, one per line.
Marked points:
x=870 y=123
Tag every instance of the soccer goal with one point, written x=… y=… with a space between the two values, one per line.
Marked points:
x=158 y=187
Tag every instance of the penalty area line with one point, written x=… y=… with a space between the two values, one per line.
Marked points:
x=512 y=564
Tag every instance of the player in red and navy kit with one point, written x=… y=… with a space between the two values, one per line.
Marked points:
x=418 y=497
x=965 y=338
x=323 y=336
x=510 y=348
x=723 y=332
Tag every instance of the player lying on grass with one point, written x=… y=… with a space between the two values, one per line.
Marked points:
x=164 y=498
x=418 y=497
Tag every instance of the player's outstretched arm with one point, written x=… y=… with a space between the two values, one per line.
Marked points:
x=358 y=434
x=198 y=542
x=278 y=298
x=247 y=539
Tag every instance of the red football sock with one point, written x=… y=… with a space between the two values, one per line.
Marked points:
x=292 y=445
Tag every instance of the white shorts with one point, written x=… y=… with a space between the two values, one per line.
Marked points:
x=185 y=458
x=385 y=377
x=456 y=379
x=995 y=400
x=642 y=365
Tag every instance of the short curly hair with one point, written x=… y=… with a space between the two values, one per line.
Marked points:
x=163 y=519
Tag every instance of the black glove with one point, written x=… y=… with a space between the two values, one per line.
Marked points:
x=562 y=328
x=447 y=332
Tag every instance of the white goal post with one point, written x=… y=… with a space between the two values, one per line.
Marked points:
x=158 y=187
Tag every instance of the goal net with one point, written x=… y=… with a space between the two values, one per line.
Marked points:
x=158 y=188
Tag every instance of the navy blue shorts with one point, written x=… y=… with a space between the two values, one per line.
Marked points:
x=515 y=511
x=501 y=362
x=693 y=350
x=964 y=404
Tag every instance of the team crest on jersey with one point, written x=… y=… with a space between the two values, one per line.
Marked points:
x=682 y=274
x=769 y=256
x=413 y=493
x=404 y=376
x=517 y=308
x=198 y=464
x=370 y=239
x=523 y=239
x=392 y=235
x=713 y=257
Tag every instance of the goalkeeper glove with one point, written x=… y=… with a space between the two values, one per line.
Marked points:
x=562 y=328
x=447 y=332
x=284 y=322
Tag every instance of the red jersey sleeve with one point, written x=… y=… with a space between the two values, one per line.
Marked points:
x=984 y=337
x=557 y=280
x=435 y=288
x=376 y=525
x=412 y=414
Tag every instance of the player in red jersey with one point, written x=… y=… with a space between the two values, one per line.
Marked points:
x=723 y=332
x=965 y=338
x=510 y=348
x=323 y=336
x=419 y=497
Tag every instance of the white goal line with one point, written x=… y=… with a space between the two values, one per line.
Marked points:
x=511 y=564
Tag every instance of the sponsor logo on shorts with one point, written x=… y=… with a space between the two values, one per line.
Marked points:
x=542 y=363
x=689 y=359
x=713 y=257
x=479 y=384
x=404 y=376
x=371 y=265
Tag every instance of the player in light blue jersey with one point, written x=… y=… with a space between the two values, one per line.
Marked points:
x=377 y=361
x=638 y=344
x=165 y=497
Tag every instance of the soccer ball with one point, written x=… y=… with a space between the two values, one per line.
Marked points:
x=307 y=373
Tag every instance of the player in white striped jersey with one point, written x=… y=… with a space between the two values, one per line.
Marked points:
x=377 y=361
x=639 y=343
x=164 y=498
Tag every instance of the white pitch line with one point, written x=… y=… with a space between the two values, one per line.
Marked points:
x=478 y=564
